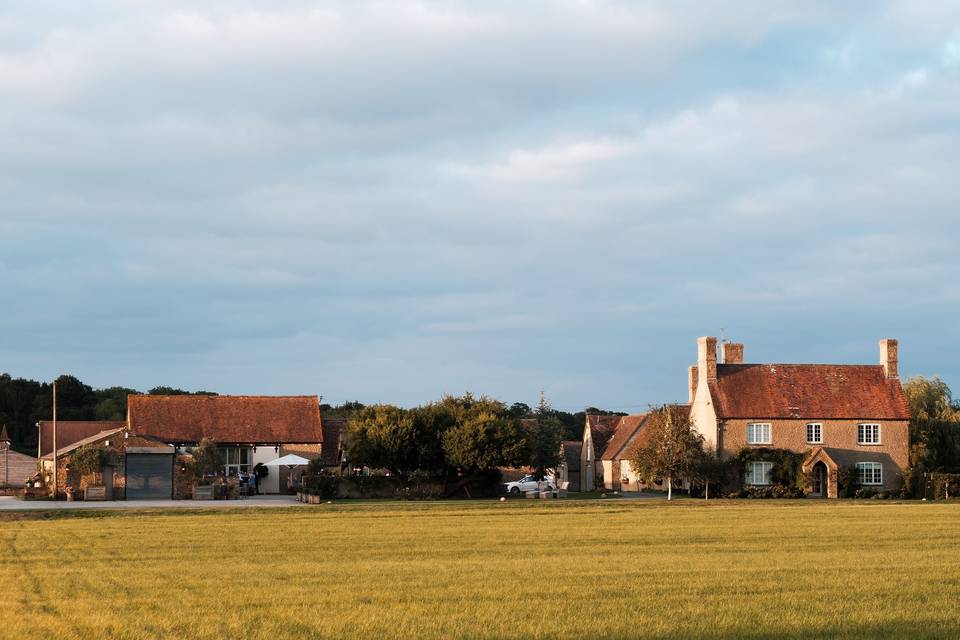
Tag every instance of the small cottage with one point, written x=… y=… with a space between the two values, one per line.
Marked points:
x=126 y=466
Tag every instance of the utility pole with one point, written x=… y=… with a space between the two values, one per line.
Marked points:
x=54 y=439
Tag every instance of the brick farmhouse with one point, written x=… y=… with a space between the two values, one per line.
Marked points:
x=840 y=416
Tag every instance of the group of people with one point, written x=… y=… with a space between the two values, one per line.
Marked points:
x=250 y=480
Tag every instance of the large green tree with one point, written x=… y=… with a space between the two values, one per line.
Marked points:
x=484 y=440
x=934 y=427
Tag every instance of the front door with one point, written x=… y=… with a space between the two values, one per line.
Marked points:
x=819 y=480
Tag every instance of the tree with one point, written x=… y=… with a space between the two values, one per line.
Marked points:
x=206 y=458
x=112 y=403
x=173 y=391
x=483 y=441
x=930 y=399
x=384 y=437
x=672 y=449
x=710 y=468
x=544 y=437
x=934 y=428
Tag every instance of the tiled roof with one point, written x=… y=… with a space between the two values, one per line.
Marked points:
x=70 y=431
x=332 y=429
x=571 y=454
x=79 y=443
x=227 y=419
x=807 y=391
x=601 y=429
x=626 y=427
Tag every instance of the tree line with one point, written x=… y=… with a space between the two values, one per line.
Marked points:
x=24 y=402
x=455 y=436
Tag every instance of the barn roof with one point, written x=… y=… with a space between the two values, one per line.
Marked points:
x=227 y=419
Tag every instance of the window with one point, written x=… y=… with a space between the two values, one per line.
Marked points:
x=758 y=433
x=868 y=434
x=235 y=459
x=815 y=433
x=870 y=473
x=759 y=472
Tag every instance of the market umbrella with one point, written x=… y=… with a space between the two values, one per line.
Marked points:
x=290 y=460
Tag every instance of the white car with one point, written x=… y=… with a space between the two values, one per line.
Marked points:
x=529 y=483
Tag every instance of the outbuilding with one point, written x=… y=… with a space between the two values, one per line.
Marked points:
x=128 y=466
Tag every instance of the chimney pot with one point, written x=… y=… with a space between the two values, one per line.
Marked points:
x=889 y=357
x=732 y=353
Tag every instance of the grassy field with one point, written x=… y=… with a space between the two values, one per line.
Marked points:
x=441 y=570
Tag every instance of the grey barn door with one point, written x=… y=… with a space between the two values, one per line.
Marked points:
x=149 y=475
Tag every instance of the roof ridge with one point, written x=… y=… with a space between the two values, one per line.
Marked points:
x=214 y=397
x=794 y=364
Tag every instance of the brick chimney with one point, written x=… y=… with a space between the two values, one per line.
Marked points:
x=732 y=353
x=888 y=358
x=707 y=358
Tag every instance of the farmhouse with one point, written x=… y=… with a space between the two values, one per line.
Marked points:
x=247 y=429
x=846 y=416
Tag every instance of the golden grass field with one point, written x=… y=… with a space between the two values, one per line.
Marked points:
x=519 y=569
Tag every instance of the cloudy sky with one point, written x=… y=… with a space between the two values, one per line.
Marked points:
x=386 y=201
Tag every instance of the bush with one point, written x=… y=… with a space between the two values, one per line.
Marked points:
x=88 y=459
x=847 y=481
x=787 y=465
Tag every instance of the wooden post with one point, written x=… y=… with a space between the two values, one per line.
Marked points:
x=54 y=439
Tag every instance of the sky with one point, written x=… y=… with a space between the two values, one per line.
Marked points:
x=389 y=201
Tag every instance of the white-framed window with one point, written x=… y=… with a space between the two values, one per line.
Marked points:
x=868 y=433
x=235 y=459
x=814 y=433
x=759 y=433
x=759 y=472
x=870 y=473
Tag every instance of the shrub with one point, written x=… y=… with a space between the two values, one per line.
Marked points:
x=206 y=458
x=787 y=465
x=88 y=459
x=847 y=481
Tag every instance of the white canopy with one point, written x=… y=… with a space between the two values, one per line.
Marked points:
x=289 y=460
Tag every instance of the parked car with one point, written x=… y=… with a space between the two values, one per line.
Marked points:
x=529 y=483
